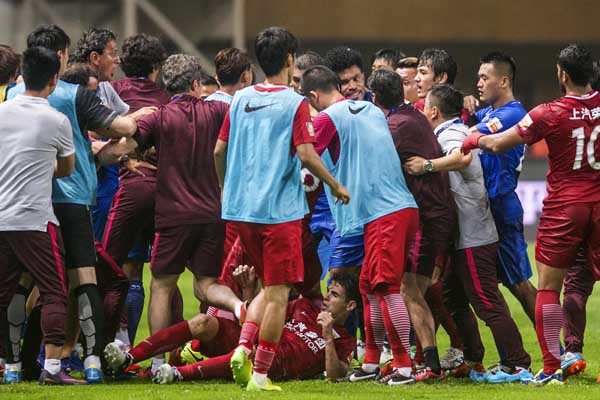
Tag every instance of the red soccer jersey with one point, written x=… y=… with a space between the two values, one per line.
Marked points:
x=303 y=344
x=571 y=126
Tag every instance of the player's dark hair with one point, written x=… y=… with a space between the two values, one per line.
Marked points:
x=9 y=64
x=408 y=62
x=447 y=99
x=49 y=36
x=577 y=62
x=500 y=59
x=208 y=80
x=79 y=74
x=309 y=59
x=439 y=61
x=272 y=47
x=343 y=57
x=391 y=56
x=387 y=87
x=595 y=82
x=320 y=78
x=39 y=66
x=230 y=64
x=94 y=40
x=349 y=282
x=141 y=54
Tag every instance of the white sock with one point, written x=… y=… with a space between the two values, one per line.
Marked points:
x=369 y=367
x=238 y=310
x=92 y=362
x=246 y=350
x=52 y=365
x=123 y=337
x=404 y=371
x=259 y=379
x=12 y=367
x=157 y=362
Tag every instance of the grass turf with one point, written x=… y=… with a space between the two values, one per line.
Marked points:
x=579 y=387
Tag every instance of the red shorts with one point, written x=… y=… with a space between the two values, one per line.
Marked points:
x=427 y=252
x=199 y=247
x=564 y=230
x=387 y=243
x=225 y=341
x=275 y=250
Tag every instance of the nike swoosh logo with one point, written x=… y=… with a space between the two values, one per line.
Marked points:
x=356 y=110
x=249 y=109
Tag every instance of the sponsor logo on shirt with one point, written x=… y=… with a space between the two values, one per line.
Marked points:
x=356 y=110
x=494 y=125
x=250 y=109
x=526 y=122
x=585 y=113
x=312 y=339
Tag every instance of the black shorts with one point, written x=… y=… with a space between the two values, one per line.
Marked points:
x=78 y=234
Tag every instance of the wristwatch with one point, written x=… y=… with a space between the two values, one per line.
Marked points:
x=428 y=167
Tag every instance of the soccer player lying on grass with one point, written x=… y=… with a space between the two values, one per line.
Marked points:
x=305 y=349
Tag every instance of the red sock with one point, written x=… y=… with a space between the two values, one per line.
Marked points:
x=248 y=334
x=374 y=329
x=435 y=301
x=265 y=353
x=211 y=368
x=397 y=323
x=162 y=341
x=548 y=323
x=196 y=344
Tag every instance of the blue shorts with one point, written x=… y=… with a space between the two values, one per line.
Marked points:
x=347 y=251
x=141 y=250
x=513 y=261
x=100 y=215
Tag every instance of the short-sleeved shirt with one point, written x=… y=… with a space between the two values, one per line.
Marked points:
x=501 y=171
x=185 y=133
x=413 y=136
x=303 y=341
x=139 y=93
x=570 y=126
x=475 y=221
x=32 y=136
x=111 y=99
x=302 y=131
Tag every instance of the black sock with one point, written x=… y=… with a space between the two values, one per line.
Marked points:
x=91 y=318
x=432 y=359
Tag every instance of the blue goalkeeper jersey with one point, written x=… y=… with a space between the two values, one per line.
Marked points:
x=501 y=171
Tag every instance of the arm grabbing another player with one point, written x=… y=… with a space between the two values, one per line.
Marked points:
x=454 y=161
x=497 y=143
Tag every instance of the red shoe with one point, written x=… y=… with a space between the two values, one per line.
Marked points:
x=462 y=371
x=576 y=368
x=428 y=376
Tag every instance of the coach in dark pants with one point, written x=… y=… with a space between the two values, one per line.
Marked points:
x=472 y=277
x=33 y=136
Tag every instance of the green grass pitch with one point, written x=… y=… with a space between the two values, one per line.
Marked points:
x=579 y=387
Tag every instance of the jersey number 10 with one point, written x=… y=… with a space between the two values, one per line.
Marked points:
x=579 y=133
